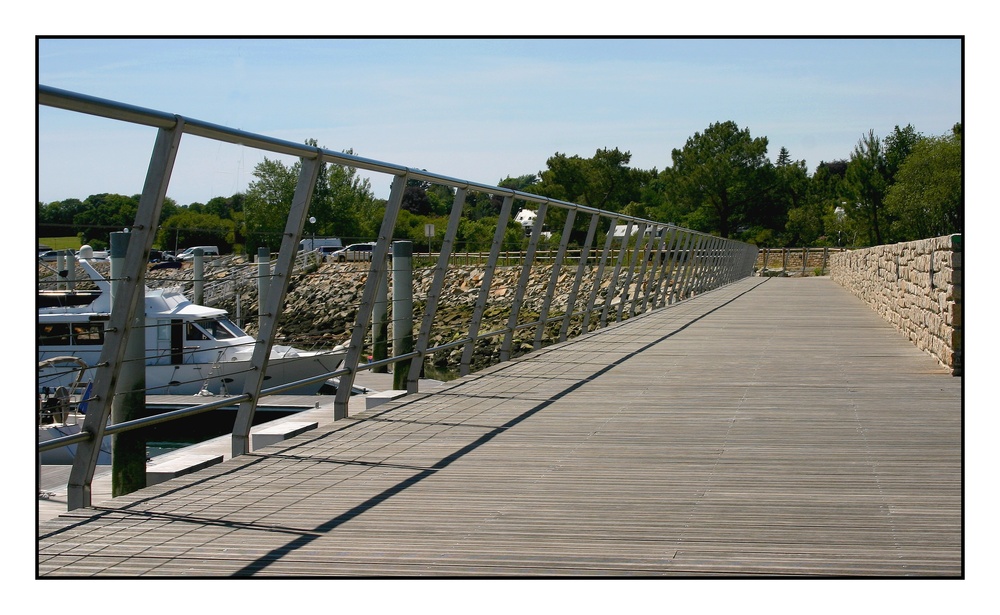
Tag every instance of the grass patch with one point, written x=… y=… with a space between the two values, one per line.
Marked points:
x=60 y=243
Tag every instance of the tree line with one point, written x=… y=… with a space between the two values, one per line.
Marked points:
x=899 y=187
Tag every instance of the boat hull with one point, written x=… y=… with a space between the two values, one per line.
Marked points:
x=223 y=378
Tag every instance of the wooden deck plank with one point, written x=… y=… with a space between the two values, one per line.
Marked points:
x=774 y=427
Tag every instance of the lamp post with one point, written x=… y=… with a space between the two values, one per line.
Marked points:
x=312 y=221
x=840 y=213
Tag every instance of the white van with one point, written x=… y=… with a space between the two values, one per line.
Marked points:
x=206 y=251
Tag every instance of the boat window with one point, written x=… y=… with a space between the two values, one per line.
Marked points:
x=53 y=334
x=232 y=327
x=88 y=333
x=194 y=333
x=216 y=329
x=209 y=329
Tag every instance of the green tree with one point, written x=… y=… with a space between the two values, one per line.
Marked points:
x=717 y=176
x=342 y=203
x=826 y=207
x=604 y=181
x=803 y=223
x=870 y=173
x=866 y=183
x=56 y=218
x=926 y=198
x=189 y=228
x=415 y=198
x=268 y=199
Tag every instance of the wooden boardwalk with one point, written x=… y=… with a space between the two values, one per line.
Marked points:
x=774 y=427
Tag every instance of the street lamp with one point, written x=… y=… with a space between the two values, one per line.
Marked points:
x=840 y=213
x=312 y=221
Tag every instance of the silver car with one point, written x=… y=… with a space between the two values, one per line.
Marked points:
x=354 y=252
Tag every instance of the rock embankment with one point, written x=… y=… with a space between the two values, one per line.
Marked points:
x=321 y=307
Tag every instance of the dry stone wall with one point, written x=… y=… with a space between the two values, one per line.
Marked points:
x=915 y=286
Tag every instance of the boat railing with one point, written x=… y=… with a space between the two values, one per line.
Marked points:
x=675 y=264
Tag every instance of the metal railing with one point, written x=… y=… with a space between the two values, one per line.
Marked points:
x=665 y=264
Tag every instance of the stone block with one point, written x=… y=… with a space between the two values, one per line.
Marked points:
x=158 y=472
x=279 y=432
x=377 y=399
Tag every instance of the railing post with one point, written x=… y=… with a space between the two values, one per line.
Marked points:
x=434 y=294
x=598 y=276
x=654 y=270
x=613 y=287
x=691 y=267
x=679 y=266
x=640 y=280
x=376 y=270
x=554 y=278
x=522 y=283
x=640 y=238
x=122 y=312
x=663 y=279
x=484 y=288
x=580 y=269
x=274 y=303
x=718 y=257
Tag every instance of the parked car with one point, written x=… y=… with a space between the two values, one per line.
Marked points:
x=329 y=250
x=318 y=243
x=206 y=252
x=49 y=256
x=354 y=252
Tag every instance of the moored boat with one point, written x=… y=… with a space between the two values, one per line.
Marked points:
x=191 y=349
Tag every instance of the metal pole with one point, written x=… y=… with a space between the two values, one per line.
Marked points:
x=522 y=283
x=554 y=278
x=641 y=283
x=598 y=277
x=434 y=294
x=271 y=312
x=580 y=268
x=669 y=254
x=655 y=271
x=640 y=236
x=375 y=271
x=690 y=266
x=484 y=288
x=402 y=310
x=124 y=306
x=613 y=287
x=680 y=268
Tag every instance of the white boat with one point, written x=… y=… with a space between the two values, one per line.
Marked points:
x=61 y=413
x=190 y=349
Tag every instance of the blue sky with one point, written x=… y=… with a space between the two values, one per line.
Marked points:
x=480 y=109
